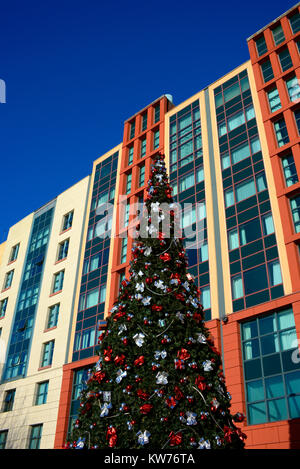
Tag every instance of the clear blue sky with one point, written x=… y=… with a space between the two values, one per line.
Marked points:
x=74 y=71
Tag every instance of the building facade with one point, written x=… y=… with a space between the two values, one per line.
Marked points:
x=232 y=152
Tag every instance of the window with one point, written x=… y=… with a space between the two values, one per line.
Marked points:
x=297 y=119
x=229 y=198
x=58 y=281
x=92 y=298
x=92 y=263
x=67 y=221
x=126 y=214
x=128 y=183
x=53 y=316
x=250 y=231
x=199 y=174
x=188 y=217
x=143 y=147
x=156 y=139
x=233 y=239
x=237 y=287
x=47 y=354
x=261 y=46
x=63 y=250
x=203 y=252
x=3 y=306
x=281 y=132
x=274 y=100
x=267 y=224
x=42 y=393
x=295 y=208
x=130 y=155
x=278 y=35
x=187 y=181
x=261 y=182
x=289 y=170
x=14 y=253
x=267 y=71
x=245 y=189
x=274 y=273
x=255 y=280
x=156 y=113
x=272 y=378
x=295 y=22
x=132 y=130
x=123 y=250
x=8 y=279
x=35 y=436
x=3 y=438
x=144 y=121
x=285 y=59
x=142 y=176
x=205 y=297
x=293 y=88
x=9 y=398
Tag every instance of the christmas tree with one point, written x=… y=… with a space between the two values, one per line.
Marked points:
x=158 y=382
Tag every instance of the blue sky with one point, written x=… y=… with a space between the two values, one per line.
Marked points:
x=74 y=71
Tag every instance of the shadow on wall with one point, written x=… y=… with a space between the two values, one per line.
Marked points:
x=294 y=433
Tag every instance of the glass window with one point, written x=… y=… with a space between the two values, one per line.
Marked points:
x=261 y=46
x=3 y=306
x=295 y=22
x=156 y=113
x=293 y=88
x=261 y=182
x=143 y=147
x=14 y=253
x=88 y=338
x=255 y=145
x=267 y=223
x=236 y=120
x=240 y=153
x=267 y=71
x=132 y=130
x=274 y=100
x=63 y=250
x=67 y=221
x=233 y=239
x=130 y=155
x=156 y=139
x=205 y=297
x=278 y=35
x=53 y=316
x=199 y=174
x=142 y=176
x=92 y=298
x=9 y=398
x=188 y=217
x=8 y=279
x=281 y=132
x=203 y=252
x=231 y=92
x=144 y=121
x=255 y=280
x=289 y=170
x=237 y=287
x=250 y=231
x=295 y=208
x=123 y=250
x=245 y=190
x=3 y=438
x=229 y=198
x=128 y=183
x=58 y=281
x=35 y=436
x=274 y=273
x=274 y=394
x=47 y=355
x=42 y=393
x=225 y=160
x=285 y=59
x=297 y=119
x=187 y=181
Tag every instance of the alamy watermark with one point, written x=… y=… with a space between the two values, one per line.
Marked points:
x=2 y=92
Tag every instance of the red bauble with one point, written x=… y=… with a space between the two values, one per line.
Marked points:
x=175 y=439
x=125 y=341
x=148 y=280
x=145 y=409
x=165 y=257
x=139 y=361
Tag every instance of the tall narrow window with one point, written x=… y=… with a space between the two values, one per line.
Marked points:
x=297 y=119
x=144 y=121
x=67 y=221
x=123 y=250
x=205 y=297
x=289 y=170
x=41 y=393
x=261 y=46
x=274 y=273
x=63 y=249
x=281 y=132
x=3 y=438
x=14 y=253
x=295 y=208
x=142 y=176
x=3 y=306
x=278 y=35
x=267 y=224
x=130 y=155
x=47 y=353
x=233 y=239
x=132 y=130
x=156 y=139
x=293 y=89
x=237 y=287
x=53 y=316
x=58 y=281
x=128 y=183
x=295 y=22
x=274 y=99
x=8 y=279
x=156 y=113
x=35 y=436
x=285 y=59
x=143 y=147
x=9 y=399
x=267 y=71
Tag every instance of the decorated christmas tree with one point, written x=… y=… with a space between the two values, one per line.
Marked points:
x=158 y=383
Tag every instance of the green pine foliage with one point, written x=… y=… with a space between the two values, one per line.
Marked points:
x=158 y=383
